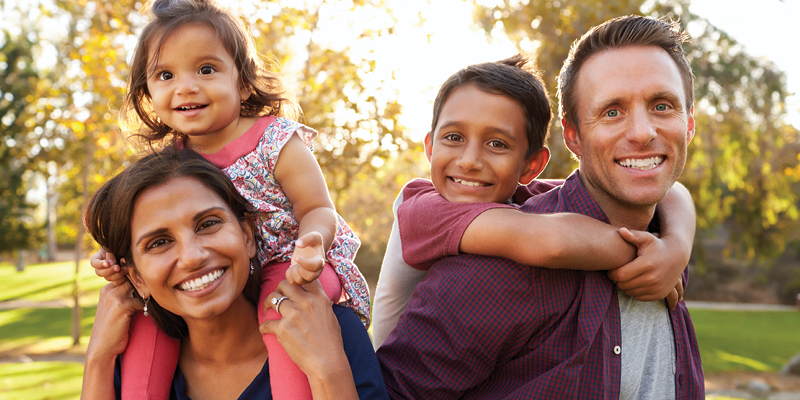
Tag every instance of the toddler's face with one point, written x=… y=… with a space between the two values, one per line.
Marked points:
x=195 y=87
x=477 y=152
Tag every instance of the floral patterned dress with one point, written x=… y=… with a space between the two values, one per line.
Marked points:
x=253 y=175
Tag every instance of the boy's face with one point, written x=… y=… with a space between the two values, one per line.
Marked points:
x=477 y=152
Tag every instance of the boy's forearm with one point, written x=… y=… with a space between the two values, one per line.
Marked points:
x=568 y=241
x=678 y=222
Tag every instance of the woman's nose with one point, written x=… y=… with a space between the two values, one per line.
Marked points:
x=192 y=254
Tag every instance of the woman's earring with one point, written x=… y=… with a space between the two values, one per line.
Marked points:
x=252 y=268
x=147 y=300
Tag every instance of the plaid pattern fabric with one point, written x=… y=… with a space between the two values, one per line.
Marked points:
x=489 y=328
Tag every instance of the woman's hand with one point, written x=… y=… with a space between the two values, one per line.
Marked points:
x=109 y=338
x=310 y=333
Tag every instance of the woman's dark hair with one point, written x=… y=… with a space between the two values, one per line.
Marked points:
x=268 y=93
x=110 y=211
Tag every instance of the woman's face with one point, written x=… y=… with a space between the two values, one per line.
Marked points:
x=189 y=252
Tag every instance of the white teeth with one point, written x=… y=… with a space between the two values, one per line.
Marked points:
x=188 y=108
x=469 y=183
x=202 y=282
x=642 y=164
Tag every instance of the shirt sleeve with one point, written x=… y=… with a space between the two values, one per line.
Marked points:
x=396 y=283
x=431 y=227
x=464 y=321
x=363 y=362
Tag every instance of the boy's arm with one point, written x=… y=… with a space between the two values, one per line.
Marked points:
x=662 y=262
x=396 y=284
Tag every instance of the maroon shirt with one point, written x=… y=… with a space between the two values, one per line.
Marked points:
x=489 y=328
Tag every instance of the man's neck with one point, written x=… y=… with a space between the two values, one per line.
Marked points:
x=621 y=214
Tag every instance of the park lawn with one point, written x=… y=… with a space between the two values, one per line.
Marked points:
x=47 y=282
x=42 y=330
x=52 y=380
x=746 y=340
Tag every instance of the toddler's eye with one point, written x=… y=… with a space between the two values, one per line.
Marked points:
x=165 y=75
x=612 y=113
x=206 y=70
x=661 y=107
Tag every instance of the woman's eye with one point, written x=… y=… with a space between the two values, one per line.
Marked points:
x=206 y=70
x=209 y=223
x=165 y=76
x=156 y=243
x=612 y=113
x=661 y=107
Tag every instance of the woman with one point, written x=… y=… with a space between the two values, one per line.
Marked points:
x=179 y=224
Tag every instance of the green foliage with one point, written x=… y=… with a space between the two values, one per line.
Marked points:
x=746 y=340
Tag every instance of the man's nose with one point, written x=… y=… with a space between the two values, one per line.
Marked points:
x=641 y=129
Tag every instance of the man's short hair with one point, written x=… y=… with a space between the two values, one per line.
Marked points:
x=514 y=77
x=631 y=30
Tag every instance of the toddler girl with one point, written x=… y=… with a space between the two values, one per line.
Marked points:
x=196 y=81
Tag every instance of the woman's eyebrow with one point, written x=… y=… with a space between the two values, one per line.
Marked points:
x=203 y=213
x=154 y=232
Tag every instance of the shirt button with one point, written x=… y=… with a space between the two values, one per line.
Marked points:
x=617 y=350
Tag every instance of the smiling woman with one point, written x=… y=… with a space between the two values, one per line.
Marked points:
x=190 y=260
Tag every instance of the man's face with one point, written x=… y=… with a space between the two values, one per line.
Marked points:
x=633 y=126
x=477 y=152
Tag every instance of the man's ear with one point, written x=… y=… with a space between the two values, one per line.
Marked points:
x=571 y=137
x=690 y=130
x=136 y=279
x=535 y=165
x=428 y=144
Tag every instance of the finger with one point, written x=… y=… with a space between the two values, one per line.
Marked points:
x=309 y=239
x=639 y=239
x=672 y=299
x=269 y=327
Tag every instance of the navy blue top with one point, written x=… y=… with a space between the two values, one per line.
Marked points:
x=357 y=347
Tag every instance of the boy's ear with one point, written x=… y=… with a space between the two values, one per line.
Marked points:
x=572 y=139
x=428 y=144
x=535 y=165
x=136 y=279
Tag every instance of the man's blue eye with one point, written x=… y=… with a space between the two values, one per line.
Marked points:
x=612 y=113
x=661 y=107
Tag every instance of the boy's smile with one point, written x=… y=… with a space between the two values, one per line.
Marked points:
x=477 y=152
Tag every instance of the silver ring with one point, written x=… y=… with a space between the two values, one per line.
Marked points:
x=277 y=303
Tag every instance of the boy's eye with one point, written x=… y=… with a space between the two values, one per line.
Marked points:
x=661 y=107
x=453 y=137
x=206 y=70
x=165 y=75
x=498 y=144
x=612 y=113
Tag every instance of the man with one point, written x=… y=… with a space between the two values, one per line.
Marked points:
x=480 y=327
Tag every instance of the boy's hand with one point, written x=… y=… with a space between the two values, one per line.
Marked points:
x=652 y=275
x=308 y=259
x=105 y=266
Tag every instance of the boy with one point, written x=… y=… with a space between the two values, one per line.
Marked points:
x=488 y=133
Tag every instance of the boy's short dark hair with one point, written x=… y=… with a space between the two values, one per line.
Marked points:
x=514 y=77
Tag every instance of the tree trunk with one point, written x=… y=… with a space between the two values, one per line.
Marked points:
x=76 y=310
x=52 y=201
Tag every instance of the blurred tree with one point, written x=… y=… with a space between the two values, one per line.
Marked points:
x=16 y=80
x=742 y=167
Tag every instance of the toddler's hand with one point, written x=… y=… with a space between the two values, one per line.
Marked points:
x=308 y=259
x=650 y=276
x=105 y=266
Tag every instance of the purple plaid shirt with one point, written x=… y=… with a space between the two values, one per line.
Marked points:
x=489 y=328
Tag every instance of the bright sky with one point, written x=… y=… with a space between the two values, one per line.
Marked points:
x=766 y=30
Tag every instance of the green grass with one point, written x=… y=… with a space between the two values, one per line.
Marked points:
x=41 y=330
x=47 y=282
x=746 y=340
x=41 y=380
